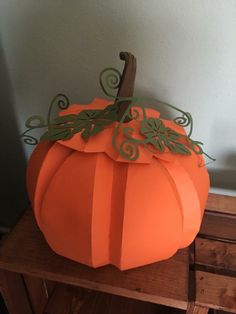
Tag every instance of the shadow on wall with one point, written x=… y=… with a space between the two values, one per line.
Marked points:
x=225 y=178
x=12 y=160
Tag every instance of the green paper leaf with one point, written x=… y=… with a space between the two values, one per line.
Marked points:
x=88 y=114
x=88 y=122
x=178 y=148
x=55 y=134
x=96 y=129
x=156 y=137
x=152 y=127
x=157 y=144
x=110 y=113
x=173 y=135
x=86 y=133
x=160 y=137
x=82 y=125
x=103 y=122
x=69 y=120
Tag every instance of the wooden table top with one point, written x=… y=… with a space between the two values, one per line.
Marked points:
x=26 y=251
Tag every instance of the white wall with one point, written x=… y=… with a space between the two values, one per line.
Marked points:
x=186 y=52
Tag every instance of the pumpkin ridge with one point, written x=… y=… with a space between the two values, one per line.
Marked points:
x=143 y=232
x=180 y=179
x=46 y=186
x=119 y=182
x=75 y=212
x=36 y=161
x=101 y=212
x=176 y=193
x=194 y=181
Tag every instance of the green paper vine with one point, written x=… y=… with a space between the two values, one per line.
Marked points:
x=87 y=122
x=156 y=137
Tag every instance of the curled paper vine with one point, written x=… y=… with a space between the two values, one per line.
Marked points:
x=87 y=122
x=109 y=79
x=38 y=122
x=152 y=133
x=156 y=137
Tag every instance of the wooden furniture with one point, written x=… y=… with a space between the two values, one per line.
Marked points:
x=33 y=279
x=215 y=255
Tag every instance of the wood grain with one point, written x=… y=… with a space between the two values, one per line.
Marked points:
x=221 y=203
x=38 y=293
x=64 y=300
x=102 y=303
x=216 y=291
x=165 y=282
x=219 y=226
x=67 y=300
x=49 y=286
x=220 y=255
x=195 y=309
x=14 y=293
x=220 y=312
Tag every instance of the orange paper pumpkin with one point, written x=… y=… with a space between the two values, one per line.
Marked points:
x=97 y=208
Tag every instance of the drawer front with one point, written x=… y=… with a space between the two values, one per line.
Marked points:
x=216 y=254
x=219 y=226
x=216 y=291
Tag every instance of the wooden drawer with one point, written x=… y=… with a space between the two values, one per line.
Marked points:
x=219 y=226
x=216 y=291
x=215 y=255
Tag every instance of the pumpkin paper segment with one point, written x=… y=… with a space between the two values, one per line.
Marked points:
x=98 y=211
x=97 y=208
x=34 y=166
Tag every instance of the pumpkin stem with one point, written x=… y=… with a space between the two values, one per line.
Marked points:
x=126 y=87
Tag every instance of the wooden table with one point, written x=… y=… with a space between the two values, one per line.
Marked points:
x=34 y=279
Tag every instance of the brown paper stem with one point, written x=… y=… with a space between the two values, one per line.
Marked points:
x=126 y=86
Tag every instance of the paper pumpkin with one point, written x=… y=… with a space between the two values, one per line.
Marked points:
x=97 y=207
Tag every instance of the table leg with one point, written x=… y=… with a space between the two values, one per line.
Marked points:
x=14 y=293
x=195 y=309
